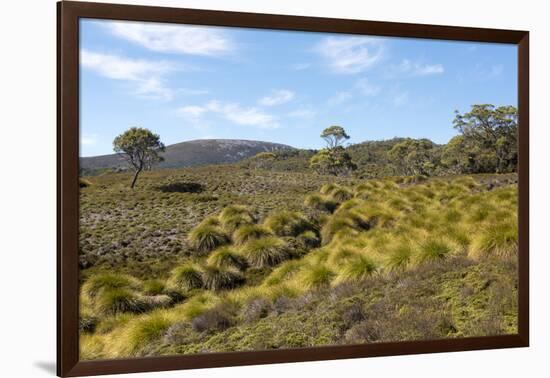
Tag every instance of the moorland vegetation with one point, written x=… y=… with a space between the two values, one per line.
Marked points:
x=377 y=241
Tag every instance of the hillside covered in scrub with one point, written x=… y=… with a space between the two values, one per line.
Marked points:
x=230 y=257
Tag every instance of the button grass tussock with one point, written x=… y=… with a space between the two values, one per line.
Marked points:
x=340 y=260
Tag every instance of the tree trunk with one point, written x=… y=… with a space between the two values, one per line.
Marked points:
x=135 y=178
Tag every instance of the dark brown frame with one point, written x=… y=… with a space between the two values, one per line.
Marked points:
x=68 y=15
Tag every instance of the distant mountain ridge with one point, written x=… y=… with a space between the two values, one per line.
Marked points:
x=192 y=153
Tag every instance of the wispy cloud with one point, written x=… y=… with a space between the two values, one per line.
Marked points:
x=233 y=112
x=496 y=70
x=175 y=39
x=350 y=55
x=410 y=68
x=365 y=87
x=146 y=75
x=300 y=66
x=302 y=113
x=399 y=97
x=339 y=98
x=88 y=139
x=277 y=97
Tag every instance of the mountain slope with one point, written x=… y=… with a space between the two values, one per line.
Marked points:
x=193 y=153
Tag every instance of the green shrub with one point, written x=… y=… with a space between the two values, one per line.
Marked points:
x=265 y=252
x=226 y=257
x=249 y=232
x=187 y=277
x=205 y=238
x=288 y=223
x=215 y=278
x=213 y=320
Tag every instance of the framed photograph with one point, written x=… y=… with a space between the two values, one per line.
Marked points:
x=238 y=188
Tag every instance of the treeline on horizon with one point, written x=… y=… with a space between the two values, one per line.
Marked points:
x=486 y=143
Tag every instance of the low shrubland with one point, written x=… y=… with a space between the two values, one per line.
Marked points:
x=345 y=262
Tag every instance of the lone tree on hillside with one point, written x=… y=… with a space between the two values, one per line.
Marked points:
x=140 y=148
x=333 y=160
x=334 y=136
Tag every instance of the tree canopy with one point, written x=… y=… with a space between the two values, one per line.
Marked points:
x=334 y=136
x=334 y=159
x=140 y=148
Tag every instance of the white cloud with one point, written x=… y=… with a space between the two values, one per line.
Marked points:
x=116 y=67
x=88 y=139
x=366 y=87
x=409 y=68
x=496 y=70
x=277 y=97
x=299 y=66
x=351 y=55
x=400 y=98
x=302 y=113
x=176 y=39
x=234 y=112
x=146 y=75
x=192 y=111
x=339 y=98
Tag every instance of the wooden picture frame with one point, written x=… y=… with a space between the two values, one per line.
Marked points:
x=69 y=13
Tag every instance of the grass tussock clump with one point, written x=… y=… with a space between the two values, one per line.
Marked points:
x=249 y=232
x=265 y=252
x=227 y=257
x=400 y=257
x=237 y=211
x=288 y=223
x=341 y=194
x=108 y=281
x=119 y=300
x=83 y=183
x=497 y=240
x=345 y=223
x=316 y=276
x=308 y=240
x=434 y=250
x=321 y=202
x=205 y=238
x=187 y=277
x=144 y=331
x=221 y=278
x=357 y=268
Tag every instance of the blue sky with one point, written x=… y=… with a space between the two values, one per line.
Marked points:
x=189 y=82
